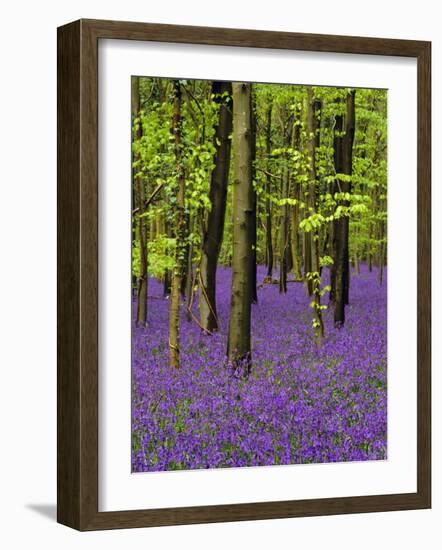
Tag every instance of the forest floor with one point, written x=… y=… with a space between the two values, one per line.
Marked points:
x=300 y=404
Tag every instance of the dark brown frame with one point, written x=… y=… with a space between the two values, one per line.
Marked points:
x=77 y=461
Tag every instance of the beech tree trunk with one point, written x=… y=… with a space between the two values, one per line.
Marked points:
x=188 y=291
x=134 y=204
x=380 y=259
x=212 y=238
x=179 y=234
x=284 y=231
x=369 y=253
x=343 y=164
x=308 y=262
x=314 y=109
x=187 y=252
x=167 y=275
x=239 y=348
x=268 y=181
x=284 y=235
x=254 y=268
x=310 y=198
x=138 y=184
x=143 y=280
x=288 y=249
x=295 y=215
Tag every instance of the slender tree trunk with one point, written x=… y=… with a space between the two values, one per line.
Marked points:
x=275 y=237
x=314 y=108
x=356 y=263
x=380 y=259
x=239 y=348
x=143 y=280
x=370 y=255
x=284 y=235
x=141 y=220
x=185 y=259
x=284 y=230
x=159 y=224
x=189 y=281
x=336 y=225
x=180 y=236
x=311 y=192
x=288 y=249
x=212 y=237
x=188 y=292
x=269 y=244
x=152 y=229
x=308 y=262
x=295 y=241
x=348 y=167
x=343 y=165
x=295 y=215
x=134 y=203
x=253 y=289
x=167 y=282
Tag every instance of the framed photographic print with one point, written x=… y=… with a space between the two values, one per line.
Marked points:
x=243 y=274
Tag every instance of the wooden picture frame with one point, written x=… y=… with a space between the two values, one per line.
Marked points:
x=77 y=461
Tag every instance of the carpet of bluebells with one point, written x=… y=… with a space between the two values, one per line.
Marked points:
x=300 y=404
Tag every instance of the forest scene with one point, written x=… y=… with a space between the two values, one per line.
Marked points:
x=259 y=274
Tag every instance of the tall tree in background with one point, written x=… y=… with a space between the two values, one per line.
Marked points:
x=344 y=136
x=140 y=196
x=268 y=187
x=314 y=276
x=284 y=232
x=348 y=169
x=213 y=234
x=307 y=244
x=253 y=128
x=179 y=233
x=295 y=217
x=239 y=344
x=167 y=278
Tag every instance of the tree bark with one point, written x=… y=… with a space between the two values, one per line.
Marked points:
x=139 y=193
x=167 y=282
x=343 y=165
x=314 y=109
x=308 y=262
x=284 y=234
x=180 y=236
x=311 y=191
x=143 y=280
x=185 y=259
x=212 y=237
x=188 y=291
x=238 y=347
x=288 y=248
x=380 y=259
x=295 y=215
x=369 y=248
x=284 y=230
x=268 y=181
x=134 y=202
x=254 y=267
